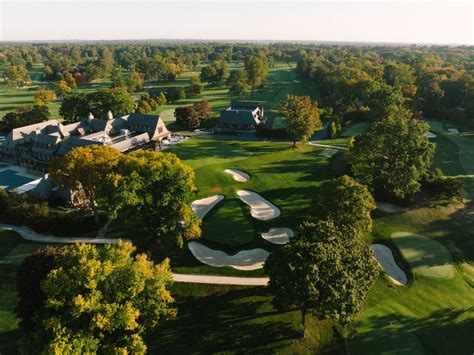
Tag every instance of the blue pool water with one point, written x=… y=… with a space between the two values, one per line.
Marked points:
x=12 y=180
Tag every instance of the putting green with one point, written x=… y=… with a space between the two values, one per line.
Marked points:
x=426 y=256
x=229 y=223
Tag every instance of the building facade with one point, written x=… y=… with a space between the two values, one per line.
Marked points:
x=35 y=146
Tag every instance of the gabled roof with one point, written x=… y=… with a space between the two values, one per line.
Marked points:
x=238 y=117
x=73 y=142
x=151 y=121
x=241 y=105
x=21 y=132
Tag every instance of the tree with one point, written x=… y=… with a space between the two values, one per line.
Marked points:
x=102 y=301
x=346 y=203
x=156 y=189
x=16 y=76
x=42 y=97
x=62 y=88
x=192 y=117
x=186 y=117
x=257 y=71
x=394 y=155
x=161 y=99
x=26 y=115
x=401 y=76
x=143 y=107
x=195 y=86
x=238 y=83
x=117 y=78
x=302 y=117
x=32 y=271
x=74 y=107
x=84 y=170
x=324 y=270
x=134 y=81
x=202 y=110
x=214 y=72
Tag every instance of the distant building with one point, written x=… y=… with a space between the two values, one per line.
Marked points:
x=240 y=117
x=34 y=147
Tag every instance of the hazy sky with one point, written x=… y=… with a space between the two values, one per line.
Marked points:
x=374 y=21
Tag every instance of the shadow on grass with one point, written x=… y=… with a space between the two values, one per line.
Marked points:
x=239 y=321
x=446 y=331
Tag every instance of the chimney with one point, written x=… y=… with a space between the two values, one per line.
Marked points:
x=90 y=117
x=109 y=115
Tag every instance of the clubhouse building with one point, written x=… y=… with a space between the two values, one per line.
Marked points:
x=240 y=117
x=33 y=147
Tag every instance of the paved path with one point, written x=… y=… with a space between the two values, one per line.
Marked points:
x=327 y=146
x=222 y=280
x=29 y=234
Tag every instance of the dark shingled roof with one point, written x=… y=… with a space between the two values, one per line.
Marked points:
x=238 y=117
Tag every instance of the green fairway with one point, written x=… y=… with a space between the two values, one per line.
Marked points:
x=426 y=256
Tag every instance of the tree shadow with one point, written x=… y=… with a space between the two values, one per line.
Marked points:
x=239 y=321
x=445 y=331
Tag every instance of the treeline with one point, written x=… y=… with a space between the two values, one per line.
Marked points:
x=366 y=82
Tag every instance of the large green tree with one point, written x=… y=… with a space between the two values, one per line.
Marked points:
x=238 y=83
x=16 y=76
x=83 y=170
x=394 y=155
x=324 y=271
x=257 y=70
x=32 y=271
x=156 y=190
x=101 y=300
x=346 y=203
x=302 y=117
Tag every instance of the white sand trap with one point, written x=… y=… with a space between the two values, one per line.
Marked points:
x=430 y=135
x=328 y=152
x=384 y=257
x=260 y=208
x=278 y=235
x=203 y=206
x=243 y=260
x=453 y=130
x=389 y=207
x=238 y=175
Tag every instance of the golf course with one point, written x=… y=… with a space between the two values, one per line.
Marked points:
x=252 y=194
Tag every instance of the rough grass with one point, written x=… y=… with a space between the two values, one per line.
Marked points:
x=425 y=256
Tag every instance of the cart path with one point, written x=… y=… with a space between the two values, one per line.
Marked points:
x=221 y=280
x=28 y=234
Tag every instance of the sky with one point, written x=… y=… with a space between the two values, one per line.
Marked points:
x=405 y=21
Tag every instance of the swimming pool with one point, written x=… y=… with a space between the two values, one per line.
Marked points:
x=10 y=179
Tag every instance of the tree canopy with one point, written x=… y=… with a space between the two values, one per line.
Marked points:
x=346 y=203
x=324 y=271
x=394 y=155
x=302 y=117
x=101 y=300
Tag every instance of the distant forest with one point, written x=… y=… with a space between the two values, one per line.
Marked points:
x=356 y=82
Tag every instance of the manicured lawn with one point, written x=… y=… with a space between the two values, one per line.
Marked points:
x=355 y=128
x=223 y=319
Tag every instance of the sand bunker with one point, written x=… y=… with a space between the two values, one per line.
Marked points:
x=260 y=208
x=384 y=257
x=389 y=207
x=430 y=135
x=203 y=206
x=426 y=256
x=278 y=235
x=243 y=260
x=453 y=130
x=238 y=175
